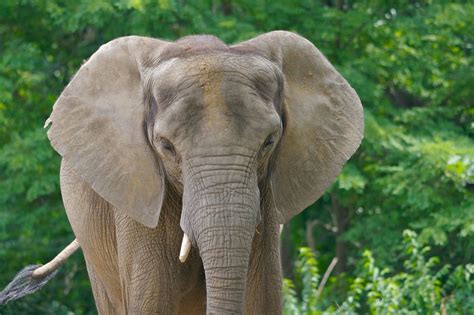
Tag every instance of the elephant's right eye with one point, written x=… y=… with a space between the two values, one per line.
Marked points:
x=167 y=146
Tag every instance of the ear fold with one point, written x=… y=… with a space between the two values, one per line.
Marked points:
x=98 y=128
x=323 y=117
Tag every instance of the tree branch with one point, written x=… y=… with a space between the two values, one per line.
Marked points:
x=326 y=276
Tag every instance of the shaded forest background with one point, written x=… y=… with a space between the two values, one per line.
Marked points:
x=400 y=217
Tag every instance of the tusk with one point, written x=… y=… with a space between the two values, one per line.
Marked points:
x=185 y=248
x=281 y=228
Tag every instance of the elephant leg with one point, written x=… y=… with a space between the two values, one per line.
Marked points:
x=92 y=220
x=194 y=301
x=153 y=279
x=149 y=275
x=263 y=290
x=105 y=304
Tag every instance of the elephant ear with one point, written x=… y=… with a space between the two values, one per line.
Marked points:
x=323 y=121
x=98 y=128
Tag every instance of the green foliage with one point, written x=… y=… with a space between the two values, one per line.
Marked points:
x=419 y=288
x=409 y=61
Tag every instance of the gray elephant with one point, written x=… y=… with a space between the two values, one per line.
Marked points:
x=181 y=159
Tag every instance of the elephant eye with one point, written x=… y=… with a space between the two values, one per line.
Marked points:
x=167 y=146
x=269 y=141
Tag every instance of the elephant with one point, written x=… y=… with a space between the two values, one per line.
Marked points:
x=181 y=159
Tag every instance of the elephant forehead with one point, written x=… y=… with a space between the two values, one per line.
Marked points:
x=179 y=77
x=218 y=92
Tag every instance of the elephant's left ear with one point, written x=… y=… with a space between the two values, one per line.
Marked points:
x=323 y=121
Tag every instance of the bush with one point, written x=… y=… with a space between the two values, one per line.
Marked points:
x=421 y=287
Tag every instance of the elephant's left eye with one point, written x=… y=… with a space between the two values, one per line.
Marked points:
x=269 y=141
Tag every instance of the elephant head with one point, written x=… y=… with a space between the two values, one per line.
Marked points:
x=217 y=123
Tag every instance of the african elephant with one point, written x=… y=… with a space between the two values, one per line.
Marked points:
x=203 y=149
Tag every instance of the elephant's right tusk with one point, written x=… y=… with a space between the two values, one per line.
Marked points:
x=185 y=248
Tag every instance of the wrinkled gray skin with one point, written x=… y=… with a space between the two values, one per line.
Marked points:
x=222 y=142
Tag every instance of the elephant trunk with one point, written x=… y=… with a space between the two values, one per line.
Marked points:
x=225 y=253
x=221 y=206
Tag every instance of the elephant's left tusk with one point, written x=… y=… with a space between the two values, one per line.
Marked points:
x=185 y=248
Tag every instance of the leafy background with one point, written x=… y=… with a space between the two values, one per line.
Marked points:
x=399 y=219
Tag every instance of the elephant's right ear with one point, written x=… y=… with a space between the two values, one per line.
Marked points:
x=98 y=128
